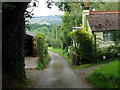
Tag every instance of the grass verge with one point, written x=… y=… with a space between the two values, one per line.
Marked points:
x=60 y=52
x=105 y=76
x=97 y=62
x=76 y=67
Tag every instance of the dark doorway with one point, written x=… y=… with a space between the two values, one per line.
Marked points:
x=28 y=47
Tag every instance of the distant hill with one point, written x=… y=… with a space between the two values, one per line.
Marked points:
x=47 y=20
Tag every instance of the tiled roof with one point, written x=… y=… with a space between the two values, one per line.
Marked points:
x=104 y=20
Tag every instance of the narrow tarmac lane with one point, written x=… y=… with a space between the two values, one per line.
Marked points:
x=58 y=74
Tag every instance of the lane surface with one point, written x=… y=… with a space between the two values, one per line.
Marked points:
x=58 y=74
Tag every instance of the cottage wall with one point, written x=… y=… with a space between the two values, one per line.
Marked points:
x=102 y=43
x=84 y=14
x=99 y=21
x=89 y=28
x=99 y=35
x=106 y=44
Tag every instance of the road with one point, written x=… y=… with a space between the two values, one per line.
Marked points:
x=57 y=74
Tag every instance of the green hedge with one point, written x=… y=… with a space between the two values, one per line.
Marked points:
x=41 y=49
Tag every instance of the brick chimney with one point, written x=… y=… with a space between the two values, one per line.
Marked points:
x=84 y=13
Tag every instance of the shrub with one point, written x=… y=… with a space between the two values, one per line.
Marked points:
x=113 y=49
x=110 y=52
x=83 y=45
x=41 y=49
x=49 y=41
x=56 y=43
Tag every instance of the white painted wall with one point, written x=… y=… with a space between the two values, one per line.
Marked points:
x=84 y=19
x=89 y=28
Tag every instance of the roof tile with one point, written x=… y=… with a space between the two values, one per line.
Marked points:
x=104 y=20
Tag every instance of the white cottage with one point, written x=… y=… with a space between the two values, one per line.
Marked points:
x=102 y=23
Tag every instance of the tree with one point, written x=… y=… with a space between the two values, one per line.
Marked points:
x=71 y=18
x=103 y=6
x=54 y=31
x=43 y=30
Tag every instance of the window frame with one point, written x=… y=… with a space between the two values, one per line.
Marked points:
x=108 y=34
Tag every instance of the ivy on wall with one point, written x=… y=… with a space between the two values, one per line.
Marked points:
x=13 y=33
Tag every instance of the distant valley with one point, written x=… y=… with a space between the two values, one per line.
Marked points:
x=46 y=20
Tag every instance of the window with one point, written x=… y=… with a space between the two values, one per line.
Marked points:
x=109 y=36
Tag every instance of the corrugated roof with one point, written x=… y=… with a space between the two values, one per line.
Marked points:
x=76 y=27
x=104 y=20
x=30 y=33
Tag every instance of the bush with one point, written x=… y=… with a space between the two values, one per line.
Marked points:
x=83 y=45
x=110 y=52
x=41 y=49
x=56 y=43
x=49 y=41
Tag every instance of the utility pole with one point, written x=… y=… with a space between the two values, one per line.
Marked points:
x=56 y=33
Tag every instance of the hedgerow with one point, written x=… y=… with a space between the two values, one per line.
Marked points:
x=41 y=49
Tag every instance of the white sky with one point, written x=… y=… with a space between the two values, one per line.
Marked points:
x=42 y=9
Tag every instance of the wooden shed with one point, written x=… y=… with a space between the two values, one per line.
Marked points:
x=29 y=45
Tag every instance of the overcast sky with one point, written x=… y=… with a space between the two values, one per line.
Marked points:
x=42 y=9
